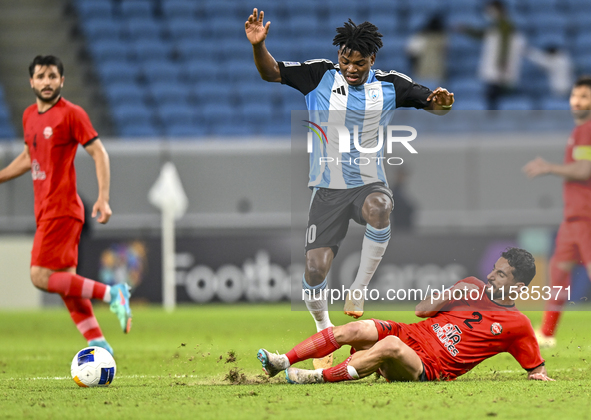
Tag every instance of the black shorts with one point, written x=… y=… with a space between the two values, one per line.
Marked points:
x=331 y=210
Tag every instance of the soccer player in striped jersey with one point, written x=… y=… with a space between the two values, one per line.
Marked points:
x=343 y=186
x=53 y=128
x=573 y=242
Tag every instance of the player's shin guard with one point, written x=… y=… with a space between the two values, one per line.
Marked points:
x=553 y=311
x=374 y=245
x=341 y=372
x=319 y=345
x=83 y=316
x=315 y=299
x=73 y=285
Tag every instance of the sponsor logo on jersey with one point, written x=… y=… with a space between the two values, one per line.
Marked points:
x=496 y=328
x=449 y=335
x=291 y=63
x=47 y=132
x=374 y=94
x=340 y=90
x=36 y=171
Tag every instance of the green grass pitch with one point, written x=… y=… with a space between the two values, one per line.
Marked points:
x=200 y=362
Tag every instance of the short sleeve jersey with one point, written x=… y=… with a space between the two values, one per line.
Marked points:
x=577 y=194
x=363 y=109
x=53 y=138
x=465 y=333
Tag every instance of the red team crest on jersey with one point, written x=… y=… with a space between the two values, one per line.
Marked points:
x=496 y=328
x=47 y=132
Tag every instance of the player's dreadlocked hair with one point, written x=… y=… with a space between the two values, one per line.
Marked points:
x=523 y=263
x=363 y=38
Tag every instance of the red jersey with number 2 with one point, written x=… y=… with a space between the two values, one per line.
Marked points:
x=53 y=138
x=466 y=332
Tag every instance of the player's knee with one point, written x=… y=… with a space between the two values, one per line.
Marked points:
x=391 y=347
x=378 y=211
x=39 y=278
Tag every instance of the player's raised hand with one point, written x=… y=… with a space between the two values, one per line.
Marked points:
x=465 y=287
x=102 y=208
x=441 y=97
x=536 y=167
x=256 y=32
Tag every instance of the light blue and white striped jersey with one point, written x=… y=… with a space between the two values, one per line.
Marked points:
x=329 y=98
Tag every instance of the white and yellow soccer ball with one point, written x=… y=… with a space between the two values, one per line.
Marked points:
x=93 y=366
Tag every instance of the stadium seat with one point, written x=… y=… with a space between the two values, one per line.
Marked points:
x=207 y=93
x=199 y=70
x=157 y=71
x=185 y=29
x=167 y=91
x=198 y=49
x=94 y=9
x=117 y=72
x=136 y=8
x=103 y=28
x=142 y=28
x=152 y=50
x=181 y=9
x=222 y=27
x=236 y=49
x=109 y=50
x=175 y=113
x=218 y=113
x=119 y=94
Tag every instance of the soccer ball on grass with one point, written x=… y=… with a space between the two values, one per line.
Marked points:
x=93 y=366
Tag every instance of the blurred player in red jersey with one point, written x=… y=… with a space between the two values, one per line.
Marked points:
x=53 y=129
x=573 y=242
x=457 y=336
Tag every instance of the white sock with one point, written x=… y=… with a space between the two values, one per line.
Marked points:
x=107 y=297
x=352 y=372
x=317 y=304
x=374 y=245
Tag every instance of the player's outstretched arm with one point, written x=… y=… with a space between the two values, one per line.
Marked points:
x=256 y=33
x=433 y=303
x=20 y=165
x=440 y=100
x=539 y=374
x=579 y=170
x=103 y=175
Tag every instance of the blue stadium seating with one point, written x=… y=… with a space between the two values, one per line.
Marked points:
x=142 y=28
x=137 y=8
x=94 y=9
x=192 y=56
x=104 y=50
x=104 y=29
x=125 y=93
x=182 y=9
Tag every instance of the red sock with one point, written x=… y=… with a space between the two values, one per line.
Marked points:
x=83 y=317
x=554 y=306
x=319 y=345
x=338 y=373
x=69 y=284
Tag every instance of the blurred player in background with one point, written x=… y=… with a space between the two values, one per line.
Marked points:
x=457 y=336
x=345 y=191
x=573 y=242
x=53 y=129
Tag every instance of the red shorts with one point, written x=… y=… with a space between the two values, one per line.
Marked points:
x=431 y=367
x=56 y=243
x=573 y=242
